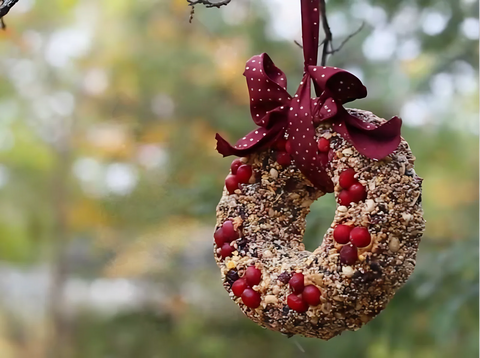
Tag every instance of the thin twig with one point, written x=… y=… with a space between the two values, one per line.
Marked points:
x=208 y=3
x=328 y=34
x=333 y=50
x=192 y=12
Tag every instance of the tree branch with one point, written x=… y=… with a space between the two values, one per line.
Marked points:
x=327 y=43
x=328 y=33
x=5 y=6
x=208 y=3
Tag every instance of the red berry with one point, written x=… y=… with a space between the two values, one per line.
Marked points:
x=229 y=233
x=231 y=182
x=347 y=178
x=280 y=144
x=234 y=166
x=239 y=286
x=288 y=147
x=357 y=192
x=251 y=298
x=296 y=303
x=219 y=238
x=244 y=172
x=323 y=145
x=348 y=255
x=253 y=275
x=360 y=237
x=226 y=250
x=344 y=198
x=331 y=155
x=284 y=159
x=323 y=159
x=296 y=283
x=341 y=234
x=311 y=295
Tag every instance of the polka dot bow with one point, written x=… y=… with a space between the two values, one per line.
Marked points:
x=277 y=113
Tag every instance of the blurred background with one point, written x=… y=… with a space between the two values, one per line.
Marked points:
x=109 y=177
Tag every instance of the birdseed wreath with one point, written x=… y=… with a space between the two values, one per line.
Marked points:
x=302 y=149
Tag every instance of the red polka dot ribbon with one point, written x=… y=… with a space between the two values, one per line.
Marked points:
x=276 y=112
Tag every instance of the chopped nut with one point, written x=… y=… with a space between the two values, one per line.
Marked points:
x=394 y=244
x=369 y=205
x=267 y=254
x=270 y=299
x=347 y=271
x=274 y=173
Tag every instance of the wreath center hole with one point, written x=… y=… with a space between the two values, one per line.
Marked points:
x=321 y=215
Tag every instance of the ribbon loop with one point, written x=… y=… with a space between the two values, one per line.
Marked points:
x=267 y=86
x=339 y=84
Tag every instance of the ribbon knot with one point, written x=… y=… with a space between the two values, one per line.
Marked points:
x=277 y=113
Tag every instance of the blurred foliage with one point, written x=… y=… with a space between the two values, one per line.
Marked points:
x=108 y=112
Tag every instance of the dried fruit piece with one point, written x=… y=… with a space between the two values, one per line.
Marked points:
x=323 y=159
x=331 y=155
x=251 y=298
x=229 y=233
x=226 y=250
x=253 y=275
x=296 y=303
x=288 y=147
x=348 y=255
x=219 y=238
x=341 y=234
x=280 y=144
x=284 y=159
x=347 y=178
x=311 y=295
x=344 y=198
x=235 y=164
x=297 y=282
x=360 y=237
x=231 y=182
x=239 y=286
x=323 y=145
x=244 y=172
x=357 y=192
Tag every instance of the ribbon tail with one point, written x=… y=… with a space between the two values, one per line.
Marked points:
x=252 y=142
x=369 y=140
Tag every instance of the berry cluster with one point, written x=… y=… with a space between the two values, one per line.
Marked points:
x=283 y=148
x=302 y=296
x=243 y=287
x=325 y=153
x=353 y=191
x=351 y=237
x=224 y=236
x=240 y=174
